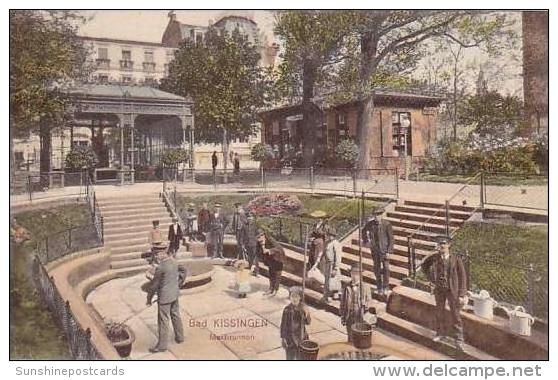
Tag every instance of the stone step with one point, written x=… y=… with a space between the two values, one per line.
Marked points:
x=400 y=245
x=453 y=207
x=435 y=220
x=397 y=259
x=459 y=215
x=137 y=255
x=146 y=216
x=424 y=336
x=368 y=265
x=492 y=336
x=126 y=242
x=126 y=201
x=133 y=270
x=147 y=223
x=294 y=264
x=134 y=211
x=420 y=235
x=138 y=228
x=142 y=247
x=412 y=225
x=111 y=236
x=142 y=261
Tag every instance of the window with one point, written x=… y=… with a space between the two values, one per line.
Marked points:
x=126 y=79
x=126 y=55
x=192 y=37
x=342 y=127
x=148 y=56
x=401 y=127
x=103 y=78
x=170 y=55
x=199 y=38
x=150 y=81
x=166 y=68
x=102 y=53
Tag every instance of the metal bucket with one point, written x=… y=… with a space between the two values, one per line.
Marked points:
x=361 y=335
x=308 y=350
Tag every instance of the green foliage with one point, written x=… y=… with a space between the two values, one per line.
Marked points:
x=347 y=152
x=224 y=79
x=45 y=53
x=81 y=157
x=174 y=156
x=262 y=152
x=492 y=113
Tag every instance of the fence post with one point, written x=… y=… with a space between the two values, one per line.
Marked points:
x=312 y=179
x=482 y=194
x=355 y=173
x=29 y=188
x=262 y=175
x=280 y=226
x=174 y=200
x=70 y=239
x=94 y=203
x=300 y=229
x=410 y=257
x=102 y=230
x=396 y=183
x=530 y=289
x=468 y=269
x=447 y=219
x=46 y=249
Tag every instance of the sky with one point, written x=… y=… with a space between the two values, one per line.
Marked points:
x=149 y=25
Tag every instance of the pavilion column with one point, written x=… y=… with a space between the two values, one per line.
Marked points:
x=132 y=149
x=121 y=117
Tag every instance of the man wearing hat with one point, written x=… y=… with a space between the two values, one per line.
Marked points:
x=238 y=222
x=447 y=272
x=175 y=236
x=294 y=319
x=249 y=237
x=217 y=224
x=166 y=283
x=378 y=235
x=203 y=218
x=352 y=307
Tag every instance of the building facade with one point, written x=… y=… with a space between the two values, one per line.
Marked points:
x=402 y=129
x=140 y=63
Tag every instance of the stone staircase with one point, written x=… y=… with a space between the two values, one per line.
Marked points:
x=127 y=222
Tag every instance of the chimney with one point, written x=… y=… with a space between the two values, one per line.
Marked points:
x=172 y=16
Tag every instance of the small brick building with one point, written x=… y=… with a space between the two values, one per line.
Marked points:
x=403 y=127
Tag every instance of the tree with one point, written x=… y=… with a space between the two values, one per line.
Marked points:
x=261 y=152
x=45 y=55
x=389 y=37
x=312 y=41
x=493 y=114
x=81 y=157
x=227 y=85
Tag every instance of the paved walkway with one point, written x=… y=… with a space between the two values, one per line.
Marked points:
x=205 y=312
x=520 y=197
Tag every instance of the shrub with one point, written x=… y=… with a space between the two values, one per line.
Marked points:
x=174 y=156
x=347 y=152
x=262 y=152
x=81 y=157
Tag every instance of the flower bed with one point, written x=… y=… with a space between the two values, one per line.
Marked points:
x=274 y=204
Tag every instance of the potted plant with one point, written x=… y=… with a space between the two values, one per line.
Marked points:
x=262 y=153
x=122 y=337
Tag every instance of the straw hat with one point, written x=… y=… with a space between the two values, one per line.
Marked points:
x=318 y=214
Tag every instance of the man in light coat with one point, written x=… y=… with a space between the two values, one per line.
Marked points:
x=330 y=261
x=168 y=278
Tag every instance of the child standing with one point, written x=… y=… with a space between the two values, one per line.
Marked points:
x=293 y=323
x=242 y=278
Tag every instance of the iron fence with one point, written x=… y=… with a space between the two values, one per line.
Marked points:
x=78 y=338
x=518 y=190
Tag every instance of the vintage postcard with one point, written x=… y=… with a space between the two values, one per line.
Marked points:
x=279 y=185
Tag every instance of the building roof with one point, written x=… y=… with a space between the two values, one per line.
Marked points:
x=119 y=91
x=124 y=42
x=234 y=17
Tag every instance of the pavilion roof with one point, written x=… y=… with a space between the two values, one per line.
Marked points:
x=121 y=91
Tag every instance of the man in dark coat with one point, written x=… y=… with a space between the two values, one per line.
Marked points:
x=294 y=319
x=238 y=222
x=217 y=224
x=168 y=278
x=249 y=237
x=272 y=255
x=174 y=236
x=214 y=162
x=203 y=218
x=377 y=234
x=447 y=272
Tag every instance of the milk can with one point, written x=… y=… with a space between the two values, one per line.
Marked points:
x=520 y=321
x=483 y=304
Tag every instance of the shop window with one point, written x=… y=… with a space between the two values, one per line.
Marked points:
x=401 y=126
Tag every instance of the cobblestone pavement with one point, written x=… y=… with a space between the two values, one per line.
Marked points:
x=205 y=314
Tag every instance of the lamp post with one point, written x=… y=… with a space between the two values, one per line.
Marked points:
x=405 y=123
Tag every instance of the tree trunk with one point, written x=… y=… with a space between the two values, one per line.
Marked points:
x=309 y=113
x=46 y=144
x=369 y=45
x=225 y=154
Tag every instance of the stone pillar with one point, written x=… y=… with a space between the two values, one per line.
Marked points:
x=132 y=149
x=122 y=150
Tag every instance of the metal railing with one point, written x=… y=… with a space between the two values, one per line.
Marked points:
x=96 y=215
x=78 y=338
